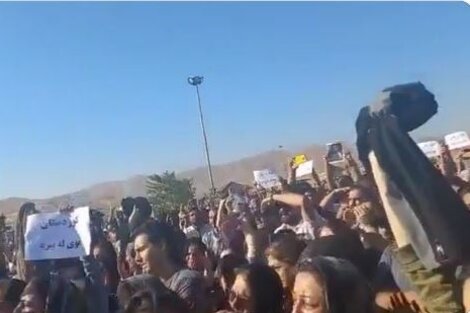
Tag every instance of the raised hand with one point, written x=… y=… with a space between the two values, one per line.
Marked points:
x=400 y=304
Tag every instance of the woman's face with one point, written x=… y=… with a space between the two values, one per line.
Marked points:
x=133 y=267
x=285 y=271
x=195 y=258
x=31 y=302
x=240 y=296
x=308 y=294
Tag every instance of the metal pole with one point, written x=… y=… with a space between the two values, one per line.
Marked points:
x=206 y=146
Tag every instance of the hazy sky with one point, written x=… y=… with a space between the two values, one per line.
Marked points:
x=91 y=92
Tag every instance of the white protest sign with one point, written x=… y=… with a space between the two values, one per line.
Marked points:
x=457 y=140
x=58 y=235
x=304 y=169
x=430 y=148
x=267 y=178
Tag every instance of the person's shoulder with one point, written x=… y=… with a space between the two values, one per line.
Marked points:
x=187 y=273
x=186 y=276
x=186 y=279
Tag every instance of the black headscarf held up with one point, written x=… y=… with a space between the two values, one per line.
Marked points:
x=382 y=128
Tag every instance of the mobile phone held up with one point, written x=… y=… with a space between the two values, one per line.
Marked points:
x=334 y=153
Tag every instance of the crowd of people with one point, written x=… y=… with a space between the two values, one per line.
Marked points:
x=391 y=237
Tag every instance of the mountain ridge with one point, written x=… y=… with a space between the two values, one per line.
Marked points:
x=110 y=193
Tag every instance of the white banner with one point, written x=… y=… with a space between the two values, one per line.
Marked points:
x=58 y=235
x=457 y=140
x=430 y=148
x=304 y=169
x=267 y=178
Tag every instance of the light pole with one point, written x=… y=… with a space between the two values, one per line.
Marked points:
x=196 y=81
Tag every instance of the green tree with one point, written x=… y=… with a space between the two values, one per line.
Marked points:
x=166 y=193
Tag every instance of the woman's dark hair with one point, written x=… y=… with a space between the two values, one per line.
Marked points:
x=286 y=248
x=64 y=296
x=143 y=205
x=26 y=209
x=301 y=187
x=133 y=291
x=166 y=302
x=13 y=292
x=266 y=288
x=196 y=242
x=337 y=226
x=227 y=265
x=142 y=213
x=127 y=205
x=130 y=286
x=161 y=233
x=109 y=262
x=345 y=289
x=344 y=245
x=40 y=285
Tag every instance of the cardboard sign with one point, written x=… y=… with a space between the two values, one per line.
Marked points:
x=267 y=178
x=299 y=159
x=58 y=235
x=457 y=140
x=430 y=148
x=304 y=169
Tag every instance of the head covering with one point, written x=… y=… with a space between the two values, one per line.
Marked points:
x=415 y=195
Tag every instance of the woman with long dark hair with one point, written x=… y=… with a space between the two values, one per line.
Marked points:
x=23 y=269
x=330 y=285
x=103 y=252
x=147 y=294
x=257 y=289
x=282 y=255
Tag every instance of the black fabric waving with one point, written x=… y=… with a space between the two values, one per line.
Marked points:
x=444 y=216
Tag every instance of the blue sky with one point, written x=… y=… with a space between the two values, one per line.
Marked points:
x=91 y=92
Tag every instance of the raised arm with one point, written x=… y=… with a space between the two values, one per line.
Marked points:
x=291 y=172
x=329 y=175
x=446 y=163
x=352 y=167
x=328 y=201
x=295 y=201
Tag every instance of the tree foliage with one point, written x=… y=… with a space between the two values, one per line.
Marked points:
x=166 y=193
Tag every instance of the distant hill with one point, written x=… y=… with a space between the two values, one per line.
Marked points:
x=108 y=194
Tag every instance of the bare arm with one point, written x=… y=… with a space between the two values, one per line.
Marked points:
x=316 y=178
x=446 y=163
x=295 y=201
x=328 y=201
x=329 y=175
x=221 y=214
x=352 y=167
x=291 y=172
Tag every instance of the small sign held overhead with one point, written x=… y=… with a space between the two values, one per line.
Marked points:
x=457 y=140
x=430 y=148
x=304 y=169
x=299 y=159
x=267 y=178
x=58 y=235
